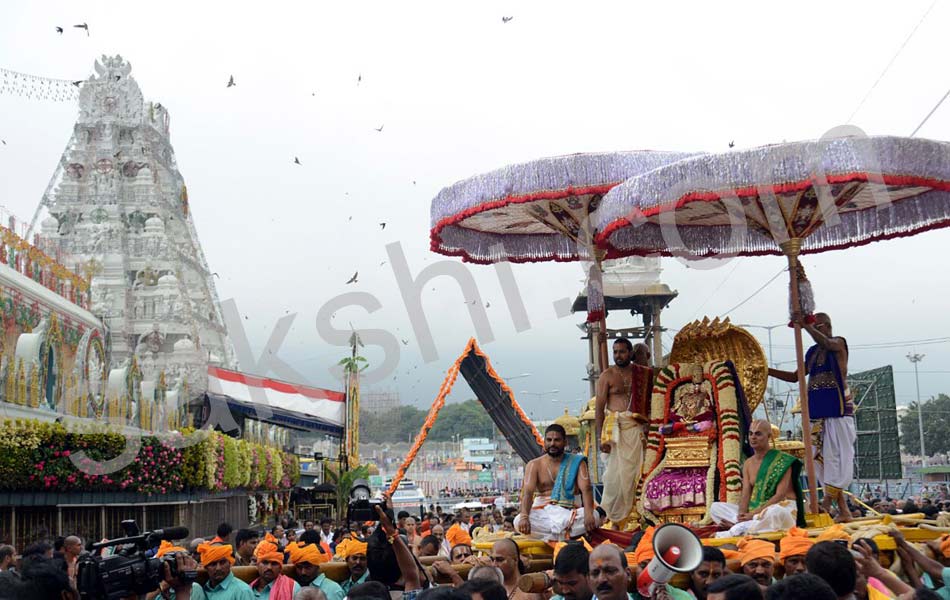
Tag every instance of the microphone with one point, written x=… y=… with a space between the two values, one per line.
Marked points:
x=169 y=533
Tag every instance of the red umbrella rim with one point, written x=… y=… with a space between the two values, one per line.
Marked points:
x=602 y=238
x=558 y=194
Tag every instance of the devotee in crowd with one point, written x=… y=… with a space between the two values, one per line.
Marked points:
x=413 y=537
x=608 y=573
x=429 y=546
x=712 y=567
x=642 y=556
x=458 y=533
x=550 y=513
x=307 y=525
x=757 y=558
x=487 y=572
x=835 y=564
x=355 y=557
x=271 y=584
x=222 y=534
x=831 y=410
x=193 y=548
x=734 y=587
x=571 y=565
x=803 y=586
x=439 y=533
x=506 y=555
x=792 y=550
x=483 y=589
x=245 y=541
x=306 y=561
x=623 y=392
x=326 y=530
x=460 y=553
x=216 y=560
x=8 y=571
x=771 y=497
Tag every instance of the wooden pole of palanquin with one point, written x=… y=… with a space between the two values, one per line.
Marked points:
x=792 y=248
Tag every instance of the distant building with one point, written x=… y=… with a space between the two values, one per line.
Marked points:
x=379 y=402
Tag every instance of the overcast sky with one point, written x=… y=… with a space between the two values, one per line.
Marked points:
x=458 y=92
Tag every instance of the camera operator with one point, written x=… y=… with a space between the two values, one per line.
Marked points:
x=390 y=559
x=173 y=588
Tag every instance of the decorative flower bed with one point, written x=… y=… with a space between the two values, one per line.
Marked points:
x=49 y=457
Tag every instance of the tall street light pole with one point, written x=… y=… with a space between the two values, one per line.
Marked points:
x=772 y=363
x=916 y=358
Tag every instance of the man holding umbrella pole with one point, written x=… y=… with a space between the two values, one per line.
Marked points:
x=830 y=408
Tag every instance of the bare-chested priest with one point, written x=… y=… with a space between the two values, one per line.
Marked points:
x=771 y=497
x=623 y=393
x=557 y=477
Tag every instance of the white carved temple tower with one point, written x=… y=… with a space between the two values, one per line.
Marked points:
x=118 y=212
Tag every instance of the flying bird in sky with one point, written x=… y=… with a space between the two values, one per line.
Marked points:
x=297 y=161
x=59 y=29
x=506 y=19
x=382 y=225
x=405 y=342
x=353 y=278
x=732 y=144
x=83 y=26
x=380 y=128
x=77 y=83
x=359 y=78
x=231 y=82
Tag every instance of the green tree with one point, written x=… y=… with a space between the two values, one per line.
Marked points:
x=936 y=412
x=466 y=419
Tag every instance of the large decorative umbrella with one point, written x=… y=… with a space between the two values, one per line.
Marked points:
x=785 y=199
x=537 y=211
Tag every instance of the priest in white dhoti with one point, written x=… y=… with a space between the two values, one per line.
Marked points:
x=772 y=498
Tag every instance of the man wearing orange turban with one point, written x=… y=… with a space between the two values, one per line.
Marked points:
x=167 y=548
x=271 y=584
x=221 y=584
x=758 y=560
x=792 y=550
x=457 y=535
x=356 y=561
x=306 y=562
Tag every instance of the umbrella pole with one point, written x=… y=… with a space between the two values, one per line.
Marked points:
x=602 y=323
x=792 y=248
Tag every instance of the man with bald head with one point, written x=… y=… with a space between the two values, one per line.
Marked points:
x=771 y=497
x=830 y=409
x=642 y=354
x=506 y=555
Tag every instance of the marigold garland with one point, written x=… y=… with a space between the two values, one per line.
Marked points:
x=450 y=376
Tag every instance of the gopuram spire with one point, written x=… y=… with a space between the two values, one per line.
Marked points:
x=118 y=211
